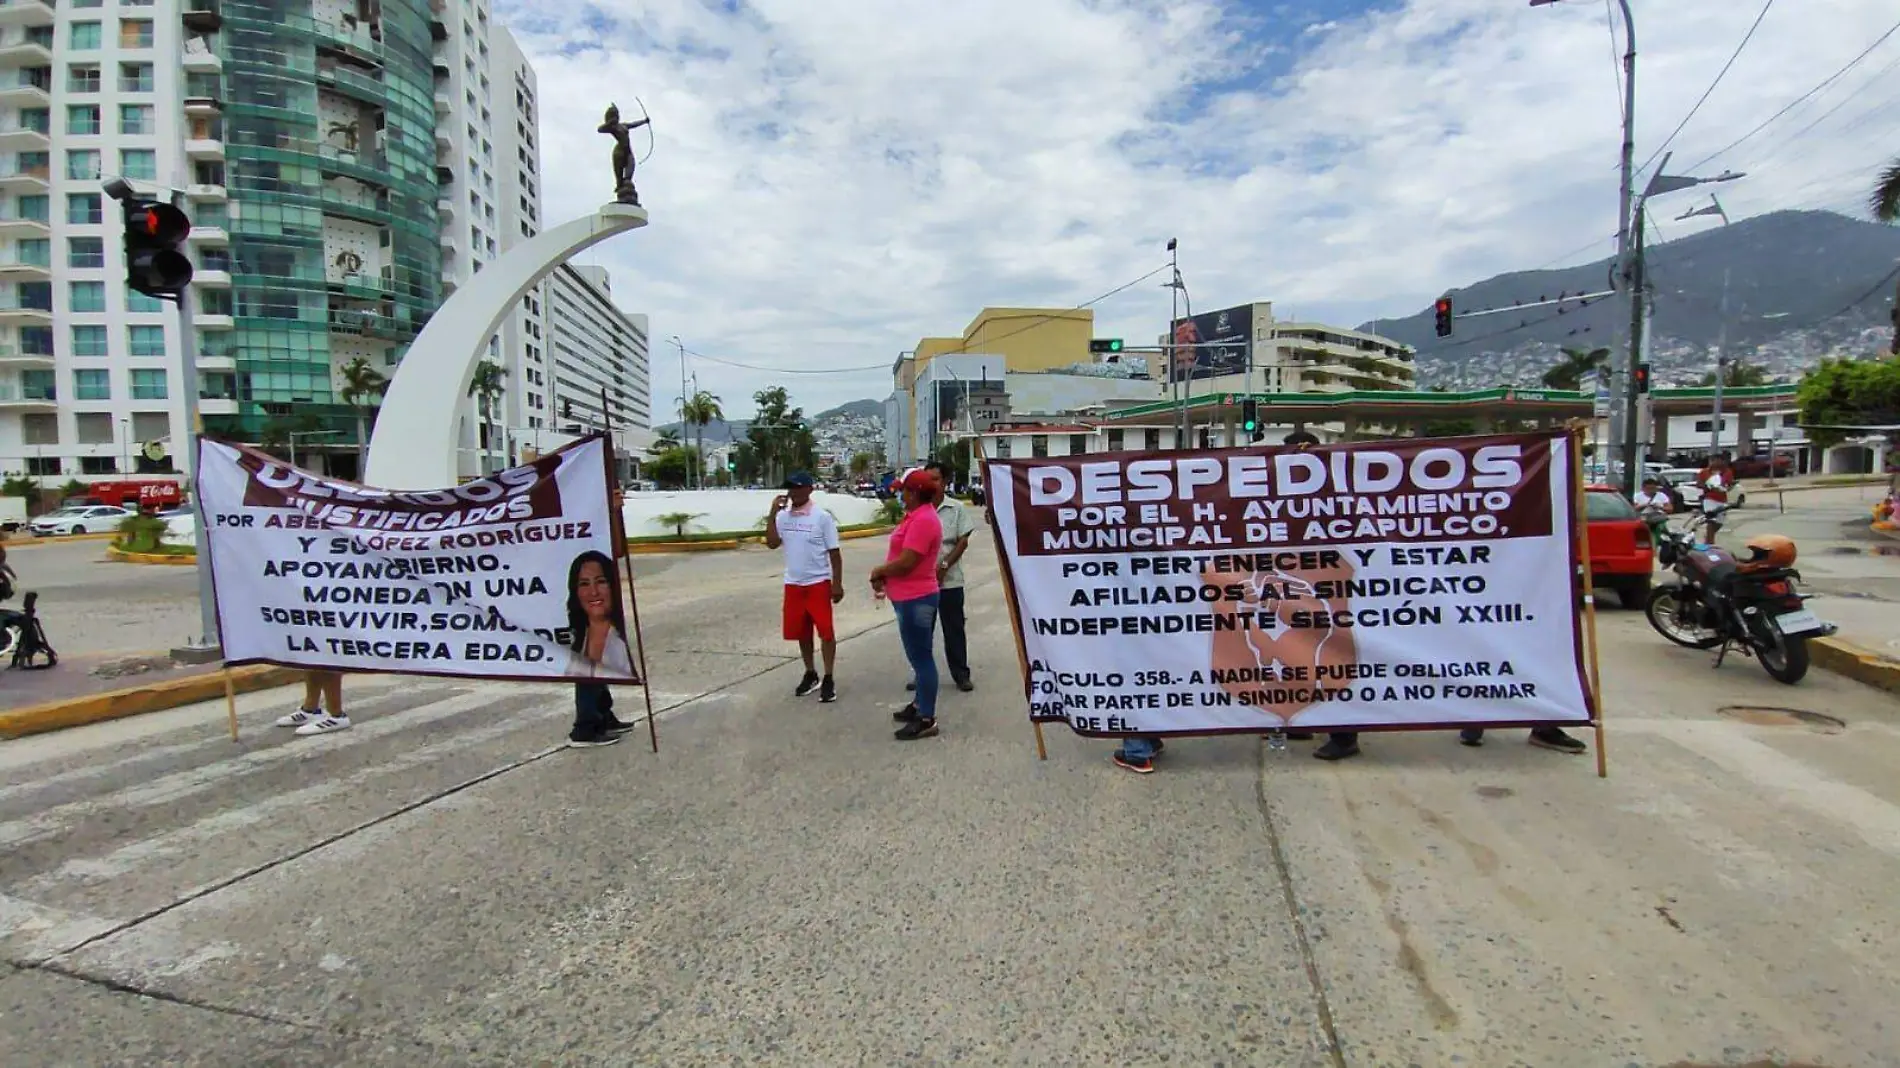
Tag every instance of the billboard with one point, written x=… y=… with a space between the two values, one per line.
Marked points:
x=1227 y=340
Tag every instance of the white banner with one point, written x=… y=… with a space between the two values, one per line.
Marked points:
x=1396 y=584
x=491 y=579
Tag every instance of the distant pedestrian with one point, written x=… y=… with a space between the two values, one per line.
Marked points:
x=319 y=688
x=814 y=578
x=1715 y=481
x=908 y=576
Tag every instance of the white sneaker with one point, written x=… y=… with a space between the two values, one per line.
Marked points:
x=325 y=725
x=299 y=717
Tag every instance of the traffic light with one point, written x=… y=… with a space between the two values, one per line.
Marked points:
x=1443 y=312
x=1105 y=344
x=1250 y=418
x=1642 y=378
x=732 y=463
x=155 y=263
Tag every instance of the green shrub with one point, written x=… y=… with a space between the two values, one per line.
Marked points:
x=141 y=534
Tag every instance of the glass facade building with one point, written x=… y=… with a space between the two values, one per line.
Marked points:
x=328 y=120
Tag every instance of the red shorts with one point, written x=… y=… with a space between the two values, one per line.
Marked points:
x=808 y=608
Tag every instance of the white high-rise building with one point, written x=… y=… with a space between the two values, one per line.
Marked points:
x=89 y=372
x=598 y=352
x=489 y=166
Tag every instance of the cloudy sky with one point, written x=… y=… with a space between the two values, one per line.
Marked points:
x=834 y=179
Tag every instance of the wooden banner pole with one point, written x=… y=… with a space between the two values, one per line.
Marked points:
x=230 y=702
x=616 y=524
x=1009 y=592
x=1582 y=509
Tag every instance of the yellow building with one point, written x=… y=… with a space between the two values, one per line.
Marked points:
x=1028 y=339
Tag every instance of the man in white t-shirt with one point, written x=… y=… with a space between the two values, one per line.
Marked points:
x=814 y=577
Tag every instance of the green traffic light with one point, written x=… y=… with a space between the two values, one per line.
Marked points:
x=1115 y=345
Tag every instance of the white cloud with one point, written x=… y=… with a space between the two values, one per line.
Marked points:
x=837 y=178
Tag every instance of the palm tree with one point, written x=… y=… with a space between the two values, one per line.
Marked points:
x=1885 y=205
x=486 y=387
x=700 y=411
x=363 y=386
x=1577 y=363
x=861 y=463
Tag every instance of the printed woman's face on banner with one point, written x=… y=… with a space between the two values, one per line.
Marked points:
x=595 y=591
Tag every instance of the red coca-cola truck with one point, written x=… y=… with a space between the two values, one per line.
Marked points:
x=142 y=494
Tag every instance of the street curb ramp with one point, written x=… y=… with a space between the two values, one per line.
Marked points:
x=138 y=700
x=1850 y=660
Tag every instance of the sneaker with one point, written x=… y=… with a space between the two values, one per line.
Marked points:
x=806 y=685
x=1139 y=767
x=300 y=717
x=917 y=728
x=325 y=724
x=1554 y=739
x=592 y=740
x=1470 y=737
x=827 y=691
x=614 y=726
x=905 y=714
x=1334 y=749
x=964 y=683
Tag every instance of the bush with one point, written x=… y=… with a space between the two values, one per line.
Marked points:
x=141 y=534
x=893 y=510
x=75 y=488
x=18 y=486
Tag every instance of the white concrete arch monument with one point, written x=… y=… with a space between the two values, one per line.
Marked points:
x=414 y=444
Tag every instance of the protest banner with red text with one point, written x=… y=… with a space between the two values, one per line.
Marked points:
x=489 y=579
x=1380 y=585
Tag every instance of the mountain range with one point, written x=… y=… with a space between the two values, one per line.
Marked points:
x=1800 y=285
x=720 y=431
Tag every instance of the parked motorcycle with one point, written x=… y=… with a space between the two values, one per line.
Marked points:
x=23 y=642
x=1722 y=602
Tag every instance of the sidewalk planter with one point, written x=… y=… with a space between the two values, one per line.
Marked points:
x=164 y=559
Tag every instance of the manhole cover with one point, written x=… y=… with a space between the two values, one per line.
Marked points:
x=1766 y=716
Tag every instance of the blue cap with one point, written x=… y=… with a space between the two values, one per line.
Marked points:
x=800 y=478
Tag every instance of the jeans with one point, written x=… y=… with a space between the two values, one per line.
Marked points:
x=956 y=651
x=916 y=627
x=1138 y=748
x=593 y=710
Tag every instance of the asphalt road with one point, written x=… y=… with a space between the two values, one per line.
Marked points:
x=784 y=884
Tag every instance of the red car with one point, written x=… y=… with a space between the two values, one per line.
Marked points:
x=1622 y=554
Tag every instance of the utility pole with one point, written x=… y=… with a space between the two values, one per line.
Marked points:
x=1631 y=407
x=681 y=345
x=207 y=648
x=1721 y=369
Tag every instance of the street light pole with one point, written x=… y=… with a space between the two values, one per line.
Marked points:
x=1714 y=207
x=681 y=345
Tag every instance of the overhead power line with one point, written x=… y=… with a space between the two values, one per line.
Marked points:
x=1039 y=320
x=1733 y=56
x=1797 y=101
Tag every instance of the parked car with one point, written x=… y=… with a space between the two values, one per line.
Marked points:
x=86 y=519
x=1622 y=554
x=1757 y=466
x=1681 y=486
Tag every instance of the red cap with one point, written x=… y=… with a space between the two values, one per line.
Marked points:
x=921 y=480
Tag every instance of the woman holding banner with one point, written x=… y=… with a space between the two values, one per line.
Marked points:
x=598 y=627
x=908 y=576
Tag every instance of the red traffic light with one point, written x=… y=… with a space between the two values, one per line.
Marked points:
x=1444 y=305
x=164 y=224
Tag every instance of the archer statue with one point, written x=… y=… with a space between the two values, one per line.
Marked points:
x=623 y=154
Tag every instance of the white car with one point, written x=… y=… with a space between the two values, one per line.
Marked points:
x=85 y=519
x=1682 y=481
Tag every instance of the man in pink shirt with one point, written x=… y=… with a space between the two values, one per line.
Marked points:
x=908 y=576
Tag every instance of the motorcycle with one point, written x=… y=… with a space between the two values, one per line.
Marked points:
x=22 y=638
x=1723 y=602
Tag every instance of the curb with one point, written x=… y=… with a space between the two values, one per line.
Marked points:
x=57 y=539
x=138 y=700
x=1851 y=661
x=113 y=552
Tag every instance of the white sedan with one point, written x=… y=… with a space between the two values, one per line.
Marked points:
x=85 y=519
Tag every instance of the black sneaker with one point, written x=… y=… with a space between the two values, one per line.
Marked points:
x=614 y=726
x=1139 y=767
x=590 y=740
x=1335 y=749
x=806 y=685
x=1555 y=739
x=917 y=728
x=827 y=691
x=964 y=683
x=1471 y=737
x=905 y=714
